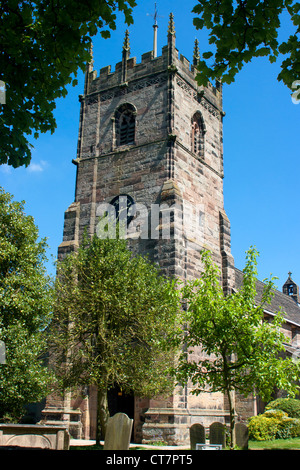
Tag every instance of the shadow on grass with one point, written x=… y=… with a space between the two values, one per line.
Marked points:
x=92 y=447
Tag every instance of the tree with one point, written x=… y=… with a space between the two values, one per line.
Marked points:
x=114 y=312
x=239 y=350
x=25 y=309
x=43 y=45
x=244 y=29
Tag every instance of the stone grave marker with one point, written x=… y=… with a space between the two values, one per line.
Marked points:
x=217 y=434
x=197 y=435
x=241 y=436
x=118 y=432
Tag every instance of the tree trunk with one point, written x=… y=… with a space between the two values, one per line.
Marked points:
x=102 y=414
x=232 y=420
x=227 y=359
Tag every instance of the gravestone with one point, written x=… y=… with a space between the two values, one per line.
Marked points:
x=217 y=434
x=197 y=435
x=241 y=436
x=118 y=432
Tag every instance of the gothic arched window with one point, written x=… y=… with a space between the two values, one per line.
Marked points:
x=125 y=124
x=198 y=131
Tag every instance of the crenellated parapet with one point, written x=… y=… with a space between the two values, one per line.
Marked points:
x=128 y=70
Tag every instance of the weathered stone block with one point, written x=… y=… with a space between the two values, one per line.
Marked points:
x=34 y=436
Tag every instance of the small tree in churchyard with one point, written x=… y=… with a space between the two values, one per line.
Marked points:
x=113 y=315
x=241 y=350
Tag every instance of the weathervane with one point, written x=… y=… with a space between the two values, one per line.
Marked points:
x=155 y=26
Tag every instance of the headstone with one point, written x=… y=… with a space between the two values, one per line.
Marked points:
x=197 y=435
x=217 y=434
x=118 y=432
x=241 y=436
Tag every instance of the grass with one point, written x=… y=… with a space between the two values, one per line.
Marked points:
x=92 y=447
x=276 y=444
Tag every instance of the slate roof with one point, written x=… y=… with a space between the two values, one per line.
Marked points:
x=290 y=309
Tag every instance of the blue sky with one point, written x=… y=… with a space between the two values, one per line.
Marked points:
x=261 y=148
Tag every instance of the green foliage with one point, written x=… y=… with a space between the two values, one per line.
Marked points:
x=262 y=428
x=288 y=428
x=278 y=414
x=239 y=350
x=290 y=405
x=43 y=46
x=121 y=311
x=114 y=313
x=243 y=30
x=273 y=424
x=25 y=308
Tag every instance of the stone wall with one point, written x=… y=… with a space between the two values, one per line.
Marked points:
x=34 y=436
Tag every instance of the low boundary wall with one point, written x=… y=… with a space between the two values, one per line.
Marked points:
x=34 y=436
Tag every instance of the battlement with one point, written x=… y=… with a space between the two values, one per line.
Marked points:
x=148 y=65
x=170 y=61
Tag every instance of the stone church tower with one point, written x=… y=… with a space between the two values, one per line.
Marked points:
x=150 y=139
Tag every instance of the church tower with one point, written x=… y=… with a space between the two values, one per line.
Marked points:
x=150 y=142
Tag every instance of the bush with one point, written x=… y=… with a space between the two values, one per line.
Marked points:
x=262 y=428
x=290 y=405
x=295 y=429
x=285 y=428
x=277 y=414
x=273 y=424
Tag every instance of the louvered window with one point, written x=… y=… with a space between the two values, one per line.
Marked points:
x=198 y=132
x=124 y=207
x=196 y=139
x=125 y=125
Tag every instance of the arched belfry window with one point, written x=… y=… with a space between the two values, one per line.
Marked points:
x=124 y=207
x=198 y=132
x=125 y=124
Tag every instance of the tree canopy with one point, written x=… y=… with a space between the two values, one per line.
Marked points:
x=120 y=310
x=43 y=45
x=240 y=30
x=25 y=309
x=240 y=352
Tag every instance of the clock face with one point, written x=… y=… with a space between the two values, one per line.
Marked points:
x=124 y=207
